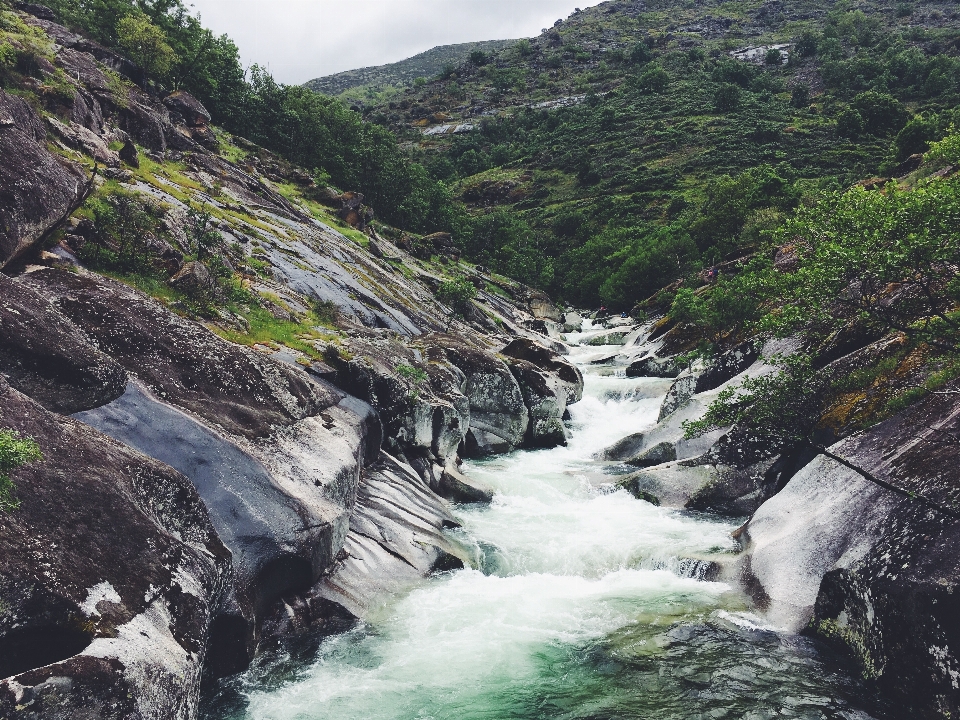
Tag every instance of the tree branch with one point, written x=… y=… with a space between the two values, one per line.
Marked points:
x=884 y=484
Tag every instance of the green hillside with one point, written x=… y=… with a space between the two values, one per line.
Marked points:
x=373 y=80
x=635 y=142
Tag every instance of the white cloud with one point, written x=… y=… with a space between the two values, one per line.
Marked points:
x=303 y=39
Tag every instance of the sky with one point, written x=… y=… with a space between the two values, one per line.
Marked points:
x=303 y=39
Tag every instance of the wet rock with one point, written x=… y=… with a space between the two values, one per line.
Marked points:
x=44 y=356
x=672 y=484
x=458 y=488
x=654 y=367
x=396 y=538
x=40 y=189
x=112 y=579
x=657 y=455
x=627 y=447
x=548 y=383
x=683 y=388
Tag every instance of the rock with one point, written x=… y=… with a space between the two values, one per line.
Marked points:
x=654 y=367
x=542 y=308
x=657 y=455
x=188 y=107
x=80 y=138
x=112 y=579
x=439 y=241
x=629 y=446
x=396 y=538
x=727 y=366
x=617 y=337
x=40 y=190
x=683 y=388
x=911 y=164
x=184 y=363
x=44 y=356
x=424 y=411
x=572 y=322
x=128 y=154
x=672 y=484
x=458 y=488
x=548 y=383
x=38 y=11
x=195 y=280
x=498 y=414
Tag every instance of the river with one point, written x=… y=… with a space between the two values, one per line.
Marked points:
x=582 y=603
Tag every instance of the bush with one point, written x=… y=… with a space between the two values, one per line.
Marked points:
x=849 y=123
x=727 y=97
x=458 y=295
x=15 y=452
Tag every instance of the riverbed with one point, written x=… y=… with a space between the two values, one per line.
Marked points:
x=582 y=602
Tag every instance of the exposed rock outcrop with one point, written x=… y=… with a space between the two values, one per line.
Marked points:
x=37 y=189
x=112 y=579
x=44 y=356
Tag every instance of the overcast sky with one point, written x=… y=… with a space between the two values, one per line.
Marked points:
x=304 y=39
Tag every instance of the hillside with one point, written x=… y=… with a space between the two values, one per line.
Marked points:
x=394 y=75
x=662 y=124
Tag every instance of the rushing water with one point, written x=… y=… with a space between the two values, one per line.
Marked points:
x=577 y=607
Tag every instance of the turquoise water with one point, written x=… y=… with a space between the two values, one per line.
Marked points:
x=577 y=607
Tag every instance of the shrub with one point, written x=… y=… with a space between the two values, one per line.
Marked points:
x=458 y=295
x=15 y=452
x=727 y=97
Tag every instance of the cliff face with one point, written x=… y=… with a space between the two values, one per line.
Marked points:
x=254 y=448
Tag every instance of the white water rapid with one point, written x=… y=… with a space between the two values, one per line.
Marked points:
x=576 y=608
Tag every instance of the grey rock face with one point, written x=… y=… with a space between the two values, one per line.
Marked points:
x=396 y=538
x=457 y=487
x=112 y=579
x=684 y=388
x=44 y=356
x=228 y=385
x=39 y=189
x=657 y=455
x=498 y=415
x=654 y=367
x=627 y=447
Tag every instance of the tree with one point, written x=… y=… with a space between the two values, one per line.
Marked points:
x=146 y=45
x=849 y=123
x=890 y=259
x=124 y=222
x=202 y=239
x=800 y=97
x=782 y=411
x=881 y=113
x=479 y=58
x=15 y=452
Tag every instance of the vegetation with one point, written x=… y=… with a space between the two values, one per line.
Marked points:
x=15 y=452
x=458 y=295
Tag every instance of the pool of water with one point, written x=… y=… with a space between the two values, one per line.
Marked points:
x=578 y=605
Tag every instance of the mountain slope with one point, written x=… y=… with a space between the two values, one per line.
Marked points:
x=632 y=127
x=425 y=65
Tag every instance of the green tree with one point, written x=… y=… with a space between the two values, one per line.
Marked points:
x=782 y=411
x=882 y=113
x=15 y=452
x=890 y=259
x=146 y=44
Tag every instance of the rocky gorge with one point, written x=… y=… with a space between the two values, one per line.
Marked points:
x=264 y=426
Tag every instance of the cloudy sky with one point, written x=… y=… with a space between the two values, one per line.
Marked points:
x=304 y=39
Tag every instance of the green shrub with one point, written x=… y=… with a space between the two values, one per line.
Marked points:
x=15 y=452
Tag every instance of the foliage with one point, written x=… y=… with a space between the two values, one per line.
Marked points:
x=890 y=259
x=414 y=374
x=458 y=295
x=146 y=45
x=125 y=223
x=729 y=304
x=779 y=409
x=15 y=452
x=202 y=239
